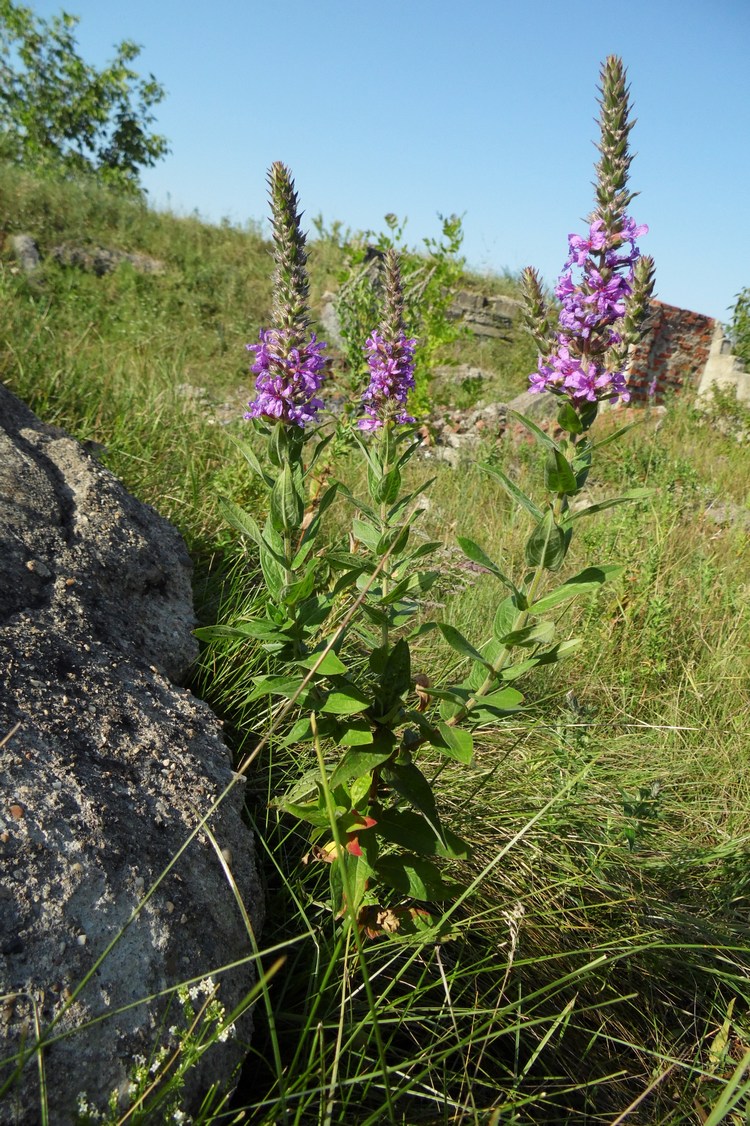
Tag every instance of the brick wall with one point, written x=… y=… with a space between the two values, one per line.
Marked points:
x=672 y=354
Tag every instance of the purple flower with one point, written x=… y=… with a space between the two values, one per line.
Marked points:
x=591 y=315
x=289 y=373
x=391 y=364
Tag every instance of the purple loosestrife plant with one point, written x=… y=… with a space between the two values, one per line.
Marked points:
x=289 y=365
x=371 y=812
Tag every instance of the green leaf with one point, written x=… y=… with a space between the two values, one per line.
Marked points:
x=547 y=544
x=395 y=678
x=568 y=419
x=416 y=877
x=394 y=541
x=244 y=631
x=250 y=457
x=409 y=829
x=630 y=495
x=558 y=475
x=541 y=436
x=616 y=434
x=518 y=496
x=241 y=520
x=536 y=634
x=358 y=733
x=287 y=686
x=287 y=505
x=457 y=641
x=476 y=554
x=504 y=700
x=357 y=762
x=546 y=657
x=456 y=743
x=366 y=533
x=302 y=589
x=273 y=572
x=384 y=489
x=330 y=665
x=582 y=583
x=409 y=781
x=302 y=732
x=346 y=699
x=312 y=813
x=505 y=617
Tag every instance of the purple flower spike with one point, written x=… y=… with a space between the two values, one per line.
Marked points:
x=583 y=356
x=591 y=315
x=391 y=364
x=289 y=374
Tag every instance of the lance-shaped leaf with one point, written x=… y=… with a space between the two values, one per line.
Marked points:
x=296 y=592
x=536 y=634
x=359 y=761
x=287 y=686
x=455 y=743
x=541 y=436
x=495 y=705
x=416 y=877
x=601 y=506
x=409 y=781
x=346 y=699
x=544 y=657
x=547 y=544
x=558 y=475
x=287 y=505
x=568 y=418
x=241 y=520
x=510 y=486
x=366 y=533
x=357 y=733
x=457 y=641
x=582 y=583
x=250 y=457
x=329 y=665
x=409 y=829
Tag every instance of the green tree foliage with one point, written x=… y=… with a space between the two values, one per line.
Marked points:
x=61 y=113
x=740 y=327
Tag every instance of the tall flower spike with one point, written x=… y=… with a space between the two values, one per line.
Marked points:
x=601 y=310
x=289 y=312
x=289 y=366
x=535 y=311
x=613 y=166
x=390 y=358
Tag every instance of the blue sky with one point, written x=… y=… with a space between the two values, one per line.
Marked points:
x=482 y=107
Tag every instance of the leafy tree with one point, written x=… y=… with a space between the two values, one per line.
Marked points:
x=59 y=112
x=740 y=328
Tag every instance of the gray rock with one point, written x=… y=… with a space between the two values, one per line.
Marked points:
x=102 y=260
x=486 y=316
x=27 y=252
x=106 y=767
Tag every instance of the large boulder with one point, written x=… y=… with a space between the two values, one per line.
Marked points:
x=106 y=769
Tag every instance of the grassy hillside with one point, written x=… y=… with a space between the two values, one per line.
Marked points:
x=599 y=969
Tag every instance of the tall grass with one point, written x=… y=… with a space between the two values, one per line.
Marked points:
x=597 y=968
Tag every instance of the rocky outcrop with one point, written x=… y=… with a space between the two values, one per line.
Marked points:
x=106 y=768
x=486 y=317
x=102 y=260
x=99 y=260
